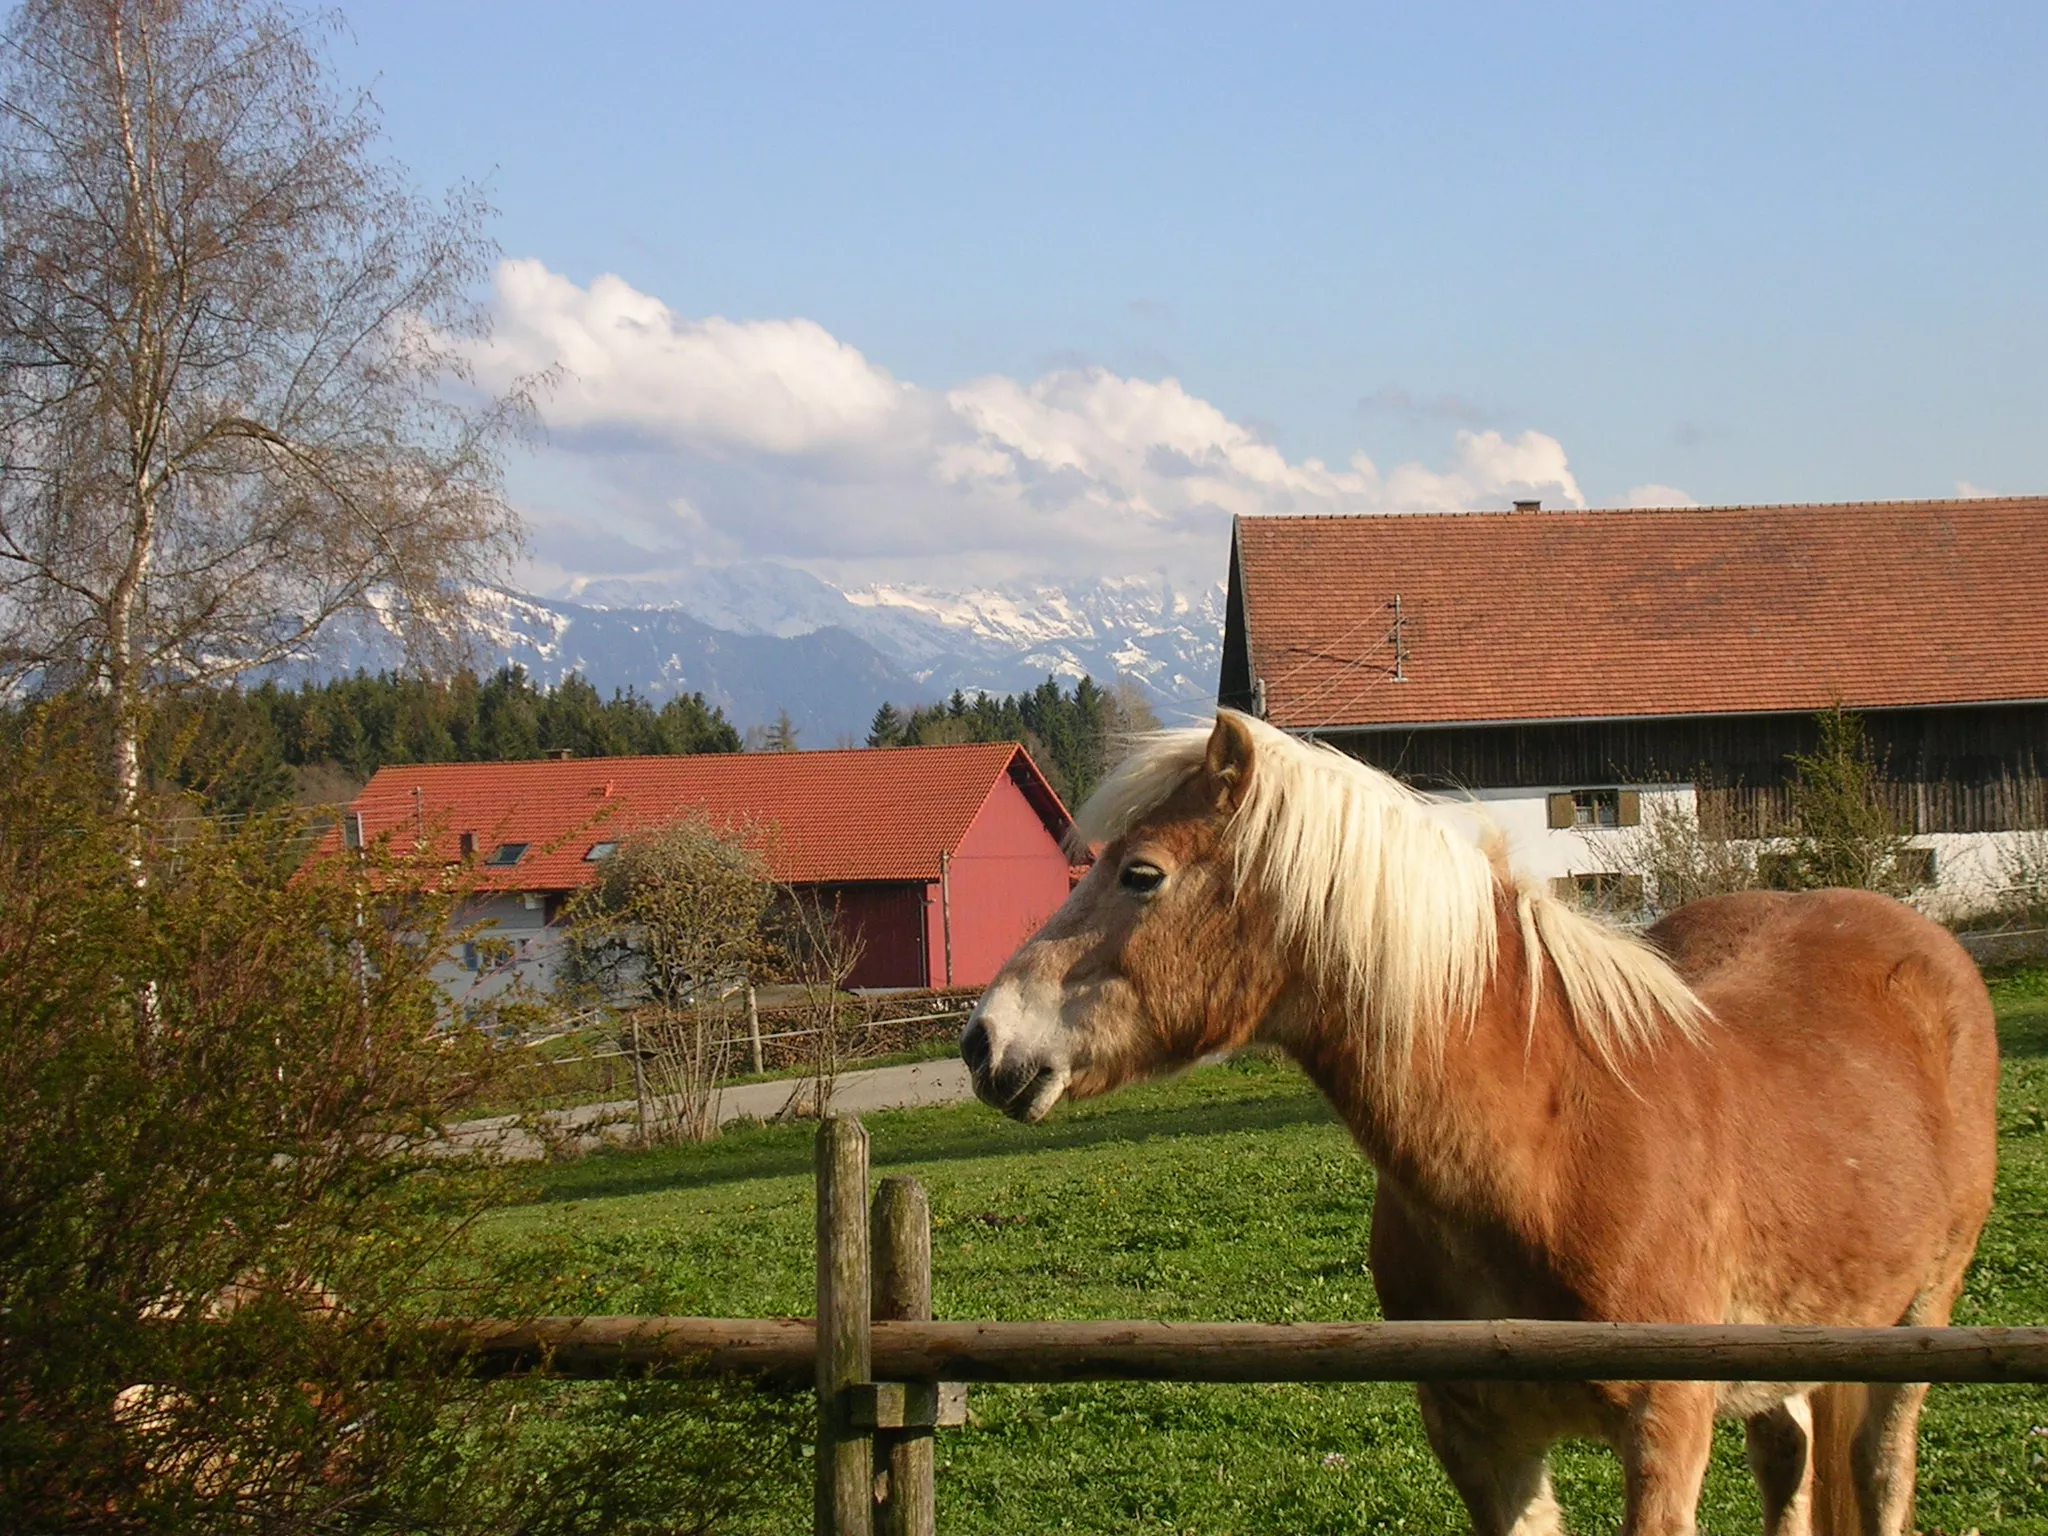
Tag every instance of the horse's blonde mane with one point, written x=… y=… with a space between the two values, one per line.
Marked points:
x=1394 y=908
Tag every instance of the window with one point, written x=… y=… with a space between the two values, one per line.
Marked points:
x=600 y=851
x=1590 y=809
x=1917 y=865
x=352 y=829
x=1596 y=807
x=507 y=853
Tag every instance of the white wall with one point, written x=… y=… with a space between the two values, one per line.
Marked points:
x=1535 y=849
x=1969 y=867
x=532 y=950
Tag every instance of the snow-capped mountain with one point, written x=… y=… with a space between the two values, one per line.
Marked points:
x=1000 y=639
x=1166 y=640
x=759 y=637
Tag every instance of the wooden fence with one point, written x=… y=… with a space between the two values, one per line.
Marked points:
x=887 y=1377
x=778 y=1036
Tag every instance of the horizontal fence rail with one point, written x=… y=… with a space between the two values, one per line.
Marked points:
x=785 y=1350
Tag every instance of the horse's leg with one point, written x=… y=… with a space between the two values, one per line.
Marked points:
x=1885 y=1453
x=1502 y=1478
x=1664 y=1456
x=1884 y=1456
x=1780 y=1445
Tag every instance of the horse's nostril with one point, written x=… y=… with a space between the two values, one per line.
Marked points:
x=974 y=1047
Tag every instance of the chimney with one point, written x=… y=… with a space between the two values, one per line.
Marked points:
x=1528 y=506
x=562 y=754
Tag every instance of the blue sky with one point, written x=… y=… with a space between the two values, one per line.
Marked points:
x=1745 y=253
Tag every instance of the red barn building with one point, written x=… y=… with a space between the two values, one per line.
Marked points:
x=943 y=859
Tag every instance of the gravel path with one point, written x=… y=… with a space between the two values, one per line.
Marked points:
x=919 y=1083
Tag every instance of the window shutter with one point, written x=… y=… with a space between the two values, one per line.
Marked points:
x=1628 y=809
x=1562 y=812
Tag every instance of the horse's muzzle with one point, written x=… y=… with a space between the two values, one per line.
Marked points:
x=1022 y=1088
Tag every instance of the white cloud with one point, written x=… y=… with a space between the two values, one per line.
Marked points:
x=627 y=360
x=1970 y=492
x=1655 y=495
x=673 y=438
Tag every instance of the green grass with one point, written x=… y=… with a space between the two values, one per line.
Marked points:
x=1230 y=1193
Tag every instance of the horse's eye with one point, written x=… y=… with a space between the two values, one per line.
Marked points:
x=1142 y=878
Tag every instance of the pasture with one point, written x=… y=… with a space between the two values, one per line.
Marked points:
x=1230 y=1193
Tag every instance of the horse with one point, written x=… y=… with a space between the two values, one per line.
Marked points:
x=1769 y=1108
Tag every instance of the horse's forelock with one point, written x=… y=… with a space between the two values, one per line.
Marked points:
x=1158 y=765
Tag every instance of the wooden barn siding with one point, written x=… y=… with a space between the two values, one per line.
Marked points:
x=1978 y=769
x=886 y=919
x=2004 y=805
x=1007 y=877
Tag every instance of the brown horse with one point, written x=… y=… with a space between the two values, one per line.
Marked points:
x=1776 y=1109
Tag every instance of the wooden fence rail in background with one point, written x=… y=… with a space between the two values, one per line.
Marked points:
x=886 y=1376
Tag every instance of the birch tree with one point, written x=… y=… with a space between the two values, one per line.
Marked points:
x=233 y=398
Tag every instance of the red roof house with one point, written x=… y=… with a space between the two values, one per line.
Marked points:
x=944 y=859
x=1436 y=619
x=1564 y=667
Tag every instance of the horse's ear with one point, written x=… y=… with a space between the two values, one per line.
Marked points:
x=1228 y=761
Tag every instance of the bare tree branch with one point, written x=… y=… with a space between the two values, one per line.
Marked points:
x=233 y=397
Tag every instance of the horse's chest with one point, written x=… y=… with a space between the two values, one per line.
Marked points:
x=1428 y=1266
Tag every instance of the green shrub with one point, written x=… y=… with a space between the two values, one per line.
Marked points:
x=1842 y=833
x=227 y=1214
x=217 y=1220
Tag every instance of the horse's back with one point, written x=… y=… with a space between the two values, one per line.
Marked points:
x=1857 y=1047
x=1841 y=967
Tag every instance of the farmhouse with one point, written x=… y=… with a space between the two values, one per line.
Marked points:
x=1567 y=668
x=942 y=859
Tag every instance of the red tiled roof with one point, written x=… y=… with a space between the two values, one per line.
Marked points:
x=1700 y=610
x=882 y=814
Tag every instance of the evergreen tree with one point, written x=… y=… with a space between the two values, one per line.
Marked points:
x=508 y=722
x=1070 y=735
x=886 y=729
x=781 y=736
x=687 y=724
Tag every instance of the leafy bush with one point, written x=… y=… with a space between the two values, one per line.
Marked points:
x=1676 y=861
x=672 y=928
x=2023 y=872
x=227 y=1217
x=216 y=1218
x=1841 y=834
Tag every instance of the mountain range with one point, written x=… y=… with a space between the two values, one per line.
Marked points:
x=758 y=637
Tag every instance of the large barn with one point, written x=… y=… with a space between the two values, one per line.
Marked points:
x=1566 y=667
x=942 y=859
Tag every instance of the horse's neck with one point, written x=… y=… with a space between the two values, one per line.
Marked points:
x=1471 y=1125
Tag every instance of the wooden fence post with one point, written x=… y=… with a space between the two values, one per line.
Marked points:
x=754 y=1027
x=902 y=1243
x=639 y=1083
x=846 y=1475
